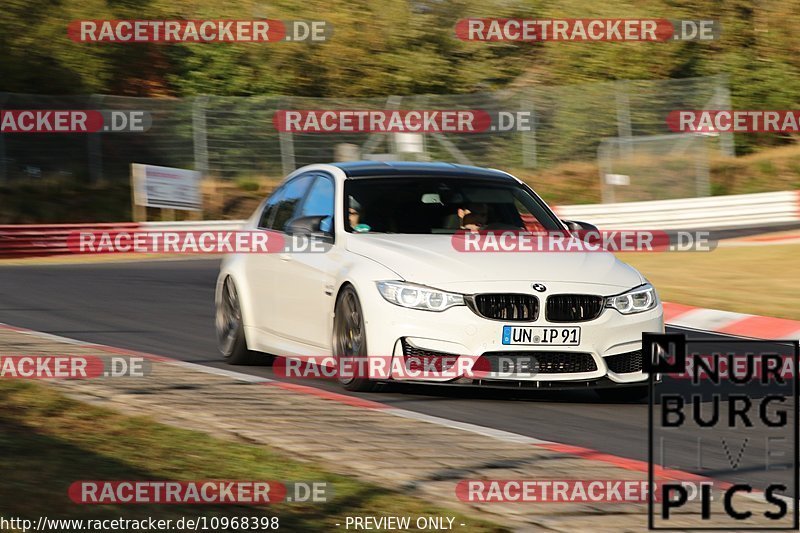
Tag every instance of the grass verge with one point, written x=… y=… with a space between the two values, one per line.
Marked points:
x=759 y=280
x=49 y=441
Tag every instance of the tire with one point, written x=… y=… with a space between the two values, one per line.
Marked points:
x=624 y=394
x=349 y=337
x=230 y=330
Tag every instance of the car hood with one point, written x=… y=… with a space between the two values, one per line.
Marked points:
x=433 y=260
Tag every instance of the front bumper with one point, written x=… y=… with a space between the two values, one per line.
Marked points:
x=460 y=331
x=537 y=385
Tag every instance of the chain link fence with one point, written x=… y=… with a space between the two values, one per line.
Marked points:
x=234 y=137
x=654 y=167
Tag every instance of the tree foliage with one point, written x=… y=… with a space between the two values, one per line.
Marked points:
x=381 y=47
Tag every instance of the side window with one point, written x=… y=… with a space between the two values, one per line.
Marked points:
x=529 y=219
x=288 y=202
x=269 y=208
x=320 y=202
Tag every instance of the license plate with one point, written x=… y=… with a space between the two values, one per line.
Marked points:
x=541 y=336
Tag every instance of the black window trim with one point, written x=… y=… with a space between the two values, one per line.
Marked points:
x=310 y=173
x=320 y=175
x=495 y=179
x=265 y=206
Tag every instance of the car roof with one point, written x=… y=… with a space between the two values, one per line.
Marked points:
x=373 y=169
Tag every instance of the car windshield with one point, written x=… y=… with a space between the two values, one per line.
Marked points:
x=425 y=205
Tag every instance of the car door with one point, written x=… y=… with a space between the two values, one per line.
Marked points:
x=264 y=270
x=308 y=276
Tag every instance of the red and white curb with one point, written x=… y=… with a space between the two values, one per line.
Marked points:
x=764 y=240
x=740 y=324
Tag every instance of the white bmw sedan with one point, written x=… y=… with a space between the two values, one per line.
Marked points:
x=391 y=283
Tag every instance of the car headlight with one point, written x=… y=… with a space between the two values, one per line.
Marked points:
x=417 y=296
x=642 y=298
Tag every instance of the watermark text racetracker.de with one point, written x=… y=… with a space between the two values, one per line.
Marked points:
x=715 y=121
x=267 y=241
x=199 y=31
x=72 y=366
x=74 y=121
x=566 y=490
x=582 y=241
x=585 y=30
x=422 y=367
x=192 y=242
x=402 y=121
x=198 y=492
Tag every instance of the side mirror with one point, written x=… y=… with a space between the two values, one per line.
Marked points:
x=309 y=225
x=575 y=225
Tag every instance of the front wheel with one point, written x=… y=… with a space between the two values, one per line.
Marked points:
x=230 y=330
x=349 y=338
x=623 y=394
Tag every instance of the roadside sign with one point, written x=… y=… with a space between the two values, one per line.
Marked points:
x=165 y=187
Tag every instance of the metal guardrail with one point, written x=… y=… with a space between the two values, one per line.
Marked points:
x=47 y=239
x=713 y=212
x=39 y=240
x=193 y=225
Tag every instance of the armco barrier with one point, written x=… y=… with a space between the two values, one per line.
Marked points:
x=46 y=239
x=40 y=240
x=712 y=212
x=193 y=225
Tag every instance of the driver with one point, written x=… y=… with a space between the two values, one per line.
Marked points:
x=473 y=222
x=456 y=220
x=479 y=210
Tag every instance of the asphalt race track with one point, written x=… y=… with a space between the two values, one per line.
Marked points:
x=166 y=308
